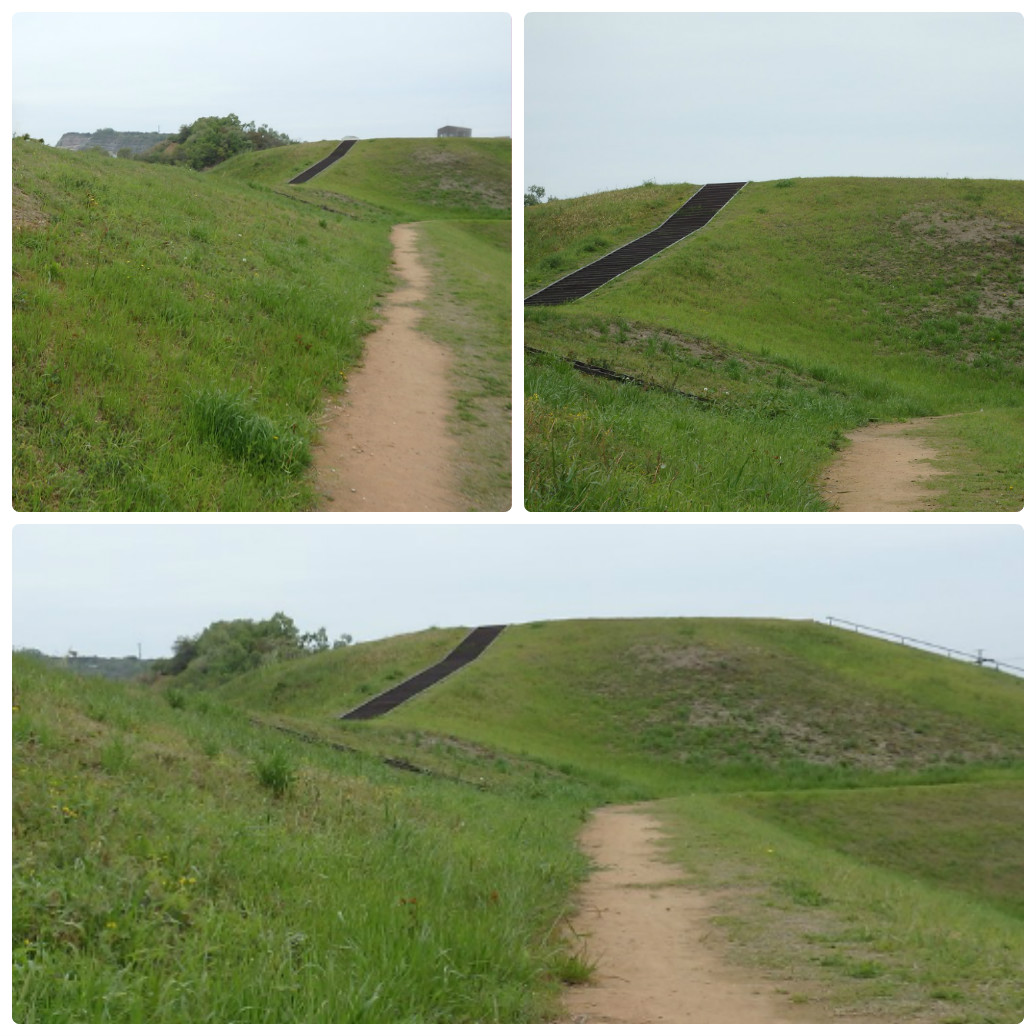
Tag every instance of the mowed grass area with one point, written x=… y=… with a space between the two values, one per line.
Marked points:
x=804 y=309
x=469 y=310
x=854 y=808
x=176 y=335
x=848 y=918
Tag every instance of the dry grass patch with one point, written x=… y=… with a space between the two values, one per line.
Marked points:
x=26 y=211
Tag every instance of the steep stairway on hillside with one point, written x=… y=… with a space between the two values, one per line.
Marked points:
x=467 y=651
x=320 y=166
x=691 y=216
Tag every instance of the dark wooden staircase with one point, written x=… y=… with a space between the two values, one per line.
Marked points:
x=467 y=651
x=691 y=216
x=320 y=166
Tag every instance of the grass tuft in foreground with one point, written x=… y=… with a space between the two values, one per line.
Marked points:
x=229 y=421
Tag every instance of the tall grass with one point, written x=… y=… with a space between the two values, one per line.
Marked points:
x=150 y=286
x=229 y=421
x=169 y=881
x=591 y=446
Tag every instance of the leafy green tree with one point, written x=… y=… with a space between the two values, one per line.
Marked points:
x=534 y=195
x=314 y=642
x=212 y=139
x=264 y=137
x=229 y=647
x=185 y=651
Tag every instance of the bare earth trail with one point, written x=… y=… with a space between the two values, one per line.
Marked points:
x=386 y=445
x=884 y=468
x=649 y=936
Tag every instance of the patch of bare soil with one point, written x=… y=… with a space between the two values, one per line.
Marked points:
x=656 y=953
x=386 y=445
x=25 y=210
x=884 y=468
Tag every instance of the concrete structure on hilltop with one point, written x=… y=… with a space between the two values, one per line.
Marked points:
x=453 y=131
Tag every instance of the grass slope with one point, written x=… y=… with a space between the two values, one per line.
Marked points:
x=838 y=795
x=175 y=863
x=470 y=262
x=176 y=335
x=806 y=308
x=669 y=705
x=411 y=178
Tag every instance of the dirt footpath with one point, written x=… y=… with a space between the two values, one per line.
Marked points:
x=385 y=445
x=883 y=469
x=657 y=955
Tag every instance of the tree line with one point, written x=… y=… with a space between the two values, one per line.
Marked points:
x=227 y=648
x=213 y=139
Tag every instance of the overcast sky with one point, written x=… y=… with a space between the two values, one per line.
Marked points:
x=612 y=100
x=312 y=76
x=102 y=589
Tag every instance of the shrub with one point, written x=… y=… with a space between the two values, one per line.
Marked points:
x=175 y=699
x=276 y=772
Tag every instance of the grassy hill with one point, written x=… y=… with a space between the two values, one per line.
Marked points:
x=176 y=334
x=806 y=308
x=418 y=178
x=243 y=855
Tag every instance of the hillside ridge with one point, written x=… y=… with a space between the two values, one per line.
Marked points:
x=811 y=307
x=243 y=856
x=206 y=318
x=112 y=141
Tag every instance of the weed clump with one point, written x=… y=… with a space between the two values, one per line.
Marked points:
x=175 y=698
x=229 y=420
x=276 y=773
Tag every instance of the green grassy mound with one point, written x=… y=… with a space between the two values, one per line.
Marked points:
x=176 y=335
x=176 y=863
x=711 y=703
x=414 y=179
x=196 y=850
x=804 y=309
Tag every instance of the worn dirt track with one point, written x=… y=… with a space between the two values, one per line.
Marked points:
x=649 y=933
x=385 y=445
x=884 y=468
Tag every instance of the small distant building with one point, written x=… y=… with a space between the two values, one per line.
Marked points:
x=453 y=131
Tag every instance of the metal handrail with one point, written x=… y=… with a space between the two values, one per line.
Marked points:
x=978 y=659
